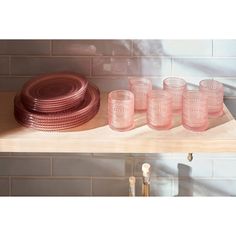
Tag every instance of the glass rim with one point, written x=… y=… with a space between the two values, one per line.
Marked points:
x=124 y=91
x=166 y=80
x=219 y=84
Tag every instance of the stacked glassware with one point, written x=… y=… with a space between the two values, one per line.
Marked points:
x=56 y=101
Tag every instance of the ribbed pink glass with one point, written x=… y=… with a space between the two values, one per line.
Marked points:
x=176 y=86
x=215 y=94
x=140 y=87
x=121 y=110
x=159 y=112
x=195 y=112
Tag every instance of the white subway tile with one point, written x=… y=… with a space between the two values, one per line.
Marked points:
x=215 y=187
x=224 y=48
x=173 y=47
x=91 y=47
x=182 y=157
x=213 y=156
x=225 y=168
x=212 y=67
x=161 y=187
x=128 y=66
x=158 y=186
x=204 y=187
x=176 y=167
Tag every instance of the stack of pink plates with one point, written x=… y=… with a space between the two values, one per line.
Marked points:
x=56 y=102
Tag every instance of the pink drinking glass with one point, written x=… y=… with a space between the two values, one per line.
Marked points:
x=159 y=111
x=121 y=110
x=215 y=94
x=176 y=86
x=140 y=87
x=195 y=112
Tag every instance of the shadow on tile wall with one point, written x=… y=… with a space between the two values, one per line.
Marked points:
x=108 y=64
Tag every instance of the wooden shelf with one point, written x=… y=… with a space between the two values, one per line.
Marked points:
x=96 y=136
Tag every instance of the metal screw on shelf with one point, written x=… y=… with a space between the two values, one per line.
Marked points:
x=190 y=157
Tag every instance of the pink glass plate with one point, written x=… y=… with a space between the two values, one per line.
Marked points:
x=55 y=90
x=60 y=120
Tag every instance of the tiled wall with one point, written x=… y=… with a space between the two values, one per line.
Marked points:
x=108 y=63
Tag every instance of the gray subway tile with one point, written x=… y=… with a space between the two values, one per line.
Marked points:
x=110 y=187
x=51 y=187
x=4 y=186
x=25 y=47
x=4 y=65
x=24 y=166
x=92 y=47
x=39 y=65
x=86 y=166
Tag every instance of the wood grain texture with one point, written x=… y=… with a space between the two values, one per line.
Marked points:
x=96 y=136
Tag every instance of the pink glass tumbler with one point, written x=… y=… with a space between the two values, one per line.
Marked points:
x=195 y=112
x=215 y=94
x=159 y=112
x=121 y=110
x=140 y=87
x=176 y=86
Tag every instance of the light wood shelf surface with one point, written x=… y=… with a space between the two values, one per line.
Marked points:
x=97 y=137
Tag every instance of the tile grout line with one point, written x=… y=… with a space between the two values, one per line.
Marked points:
x=50 y=48
x=132 y=48
x=213 y=171
x=9 y=66
x=173 y=187
x=9 y=182
x=212 y=47
x=51 y=165
x=103 y=56
x=73 y=177
x=91 y=186
x=133 y=166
